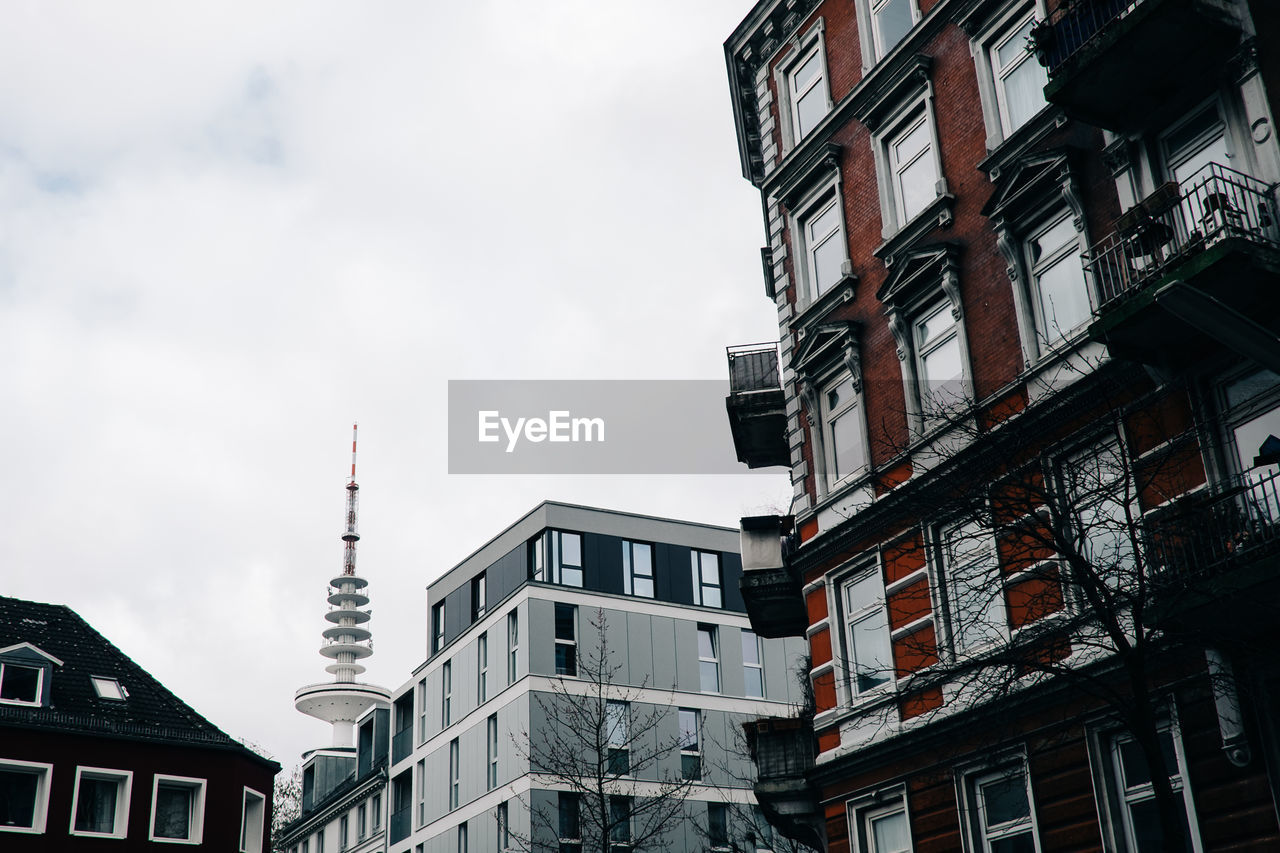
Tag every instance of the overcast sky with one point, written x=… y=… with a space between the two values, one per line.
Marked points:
x=229 y=230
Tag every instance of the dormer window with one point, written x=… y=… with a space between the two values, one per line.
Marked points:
x=20 y=685
x=108 y=688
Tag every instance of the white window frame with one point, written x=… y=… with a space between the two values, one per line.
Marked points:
x=437 y=627
x=1117 y=799
x=852 y=408
x=995 y=34
x=914 y=110
x=869 y=34
x=123 y=780
x=621 y=844
x=446 y=694
x=197 y=788
x=617 y=733
x=40 y=672
x=978 y=834
x=934 y=407
x=995 y=619
x=455 y=774
x=698 y=567
x=422 y=711
x=420 y=785
x=849 y=619
x=1046 y=333
x=567 y=642
x=252 y=835
x=482 y=668
x=758 y=666
x=513 y=646
x=827 y=195
x=630 y=576
x=805 y=46
x=491 y=751
x=104 y=686
x=861 y=811
x=713 y=632
x=40 y=812
x=915 y=121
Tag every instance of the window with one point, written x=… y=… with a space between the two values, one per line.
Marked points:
x=320 y=841
x=752 y=665
x=252 y=822
x=825 y=248
x=708 y=659
x=913 y=166
x=504 y=827
x=177 y=809
x=462 y=837
x=690 y=746
x=21 y=685
x=1189 y=149
x=718 y=826
x=998 y=810
x=707 y=586
x=377 y=812
x=570 y=826
x=890 y=21
x=1019 y=79
x=843 y=445
x=760 y=835
x=939 y=363
x=437 y=627
x=975 y=585
x=446 y=694
x=343 y=835
x=617 y=724
x=884 y=830
x=561 y=555
x=108 y=688
x=866 y=632
x=421 y=785
x=1059 y=297
x=482 y=669
x=491 y=752
x=100 y=805
x=306 y=845
x=637 y=569
x=807 y=95
x=1129 y=781
x=362 y=822
x=566 y=639
x=455 y=770
x=1099 y=489
x=24 y=795
x=477 y=597
x=422 y=710
x=513 y=645
x=619 y=823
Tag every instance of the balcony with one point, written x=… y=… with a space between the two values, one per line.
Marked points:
x=401 y=744
x=1169 y=55
x=1186 y=266
x=757 y=410
x=783 y=751
x=399 y=825
x=1215 y=558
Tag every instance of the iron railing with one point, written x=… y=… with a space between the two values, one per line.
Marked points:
x=753 y=367
x=1176 y=221
x=1073 y=24
x=1204 y=535
x=781 y=748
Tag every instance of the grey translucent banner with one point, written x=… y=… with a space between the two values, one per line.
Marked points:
x=590 y=427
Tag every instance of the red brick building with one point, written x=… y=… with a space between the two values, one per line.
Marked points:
x=1025 y=258
x=95 y=754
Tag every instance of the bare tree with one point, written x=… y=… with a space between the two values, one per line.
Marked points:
x=286 y=803
x=606 y=752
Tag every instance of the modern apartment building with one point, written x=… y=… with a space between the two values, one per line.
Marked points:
x=1024 y=256
x=514 y=649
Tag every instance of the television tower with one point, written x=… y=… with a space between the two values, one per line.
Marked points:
x=348 y=641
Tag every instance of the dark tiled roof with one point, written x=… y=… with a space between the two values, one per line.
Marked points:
x=150 y=712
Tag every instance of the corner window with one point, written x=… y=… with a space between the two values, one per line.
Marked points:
x=825 y=252
x=570 y=825
x=939 y=362
x=557 y=558
x=707 y=585
x=690 y=745
x=177 y=809
x=913 y=166
x=974 y=584
x=708 y=659
x=998 y=812
x=491 y=752
x=21 y=685
x=566 y=639
x=880 y=827
x=24 y=795
x=807 y=92
x=1060 y=297
x=891 y=20
x=455 y=775
x=100 y=805
x=437 y=627
x=866 y=622
x=1018 y=79
x=752 y=665
x=617 y=726
x=637 y=569
x=843 y=444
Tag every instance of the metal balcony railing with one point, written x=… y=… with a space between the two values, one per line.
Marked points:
x=781 y=748
x=402 y=744
x=400 y=824
x=1206 y=534
x=753 y=367
x=1073 y=24
x=1176 y=221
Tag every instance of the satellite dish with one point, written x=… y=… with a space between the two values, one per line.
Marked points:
x=1268 y=453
